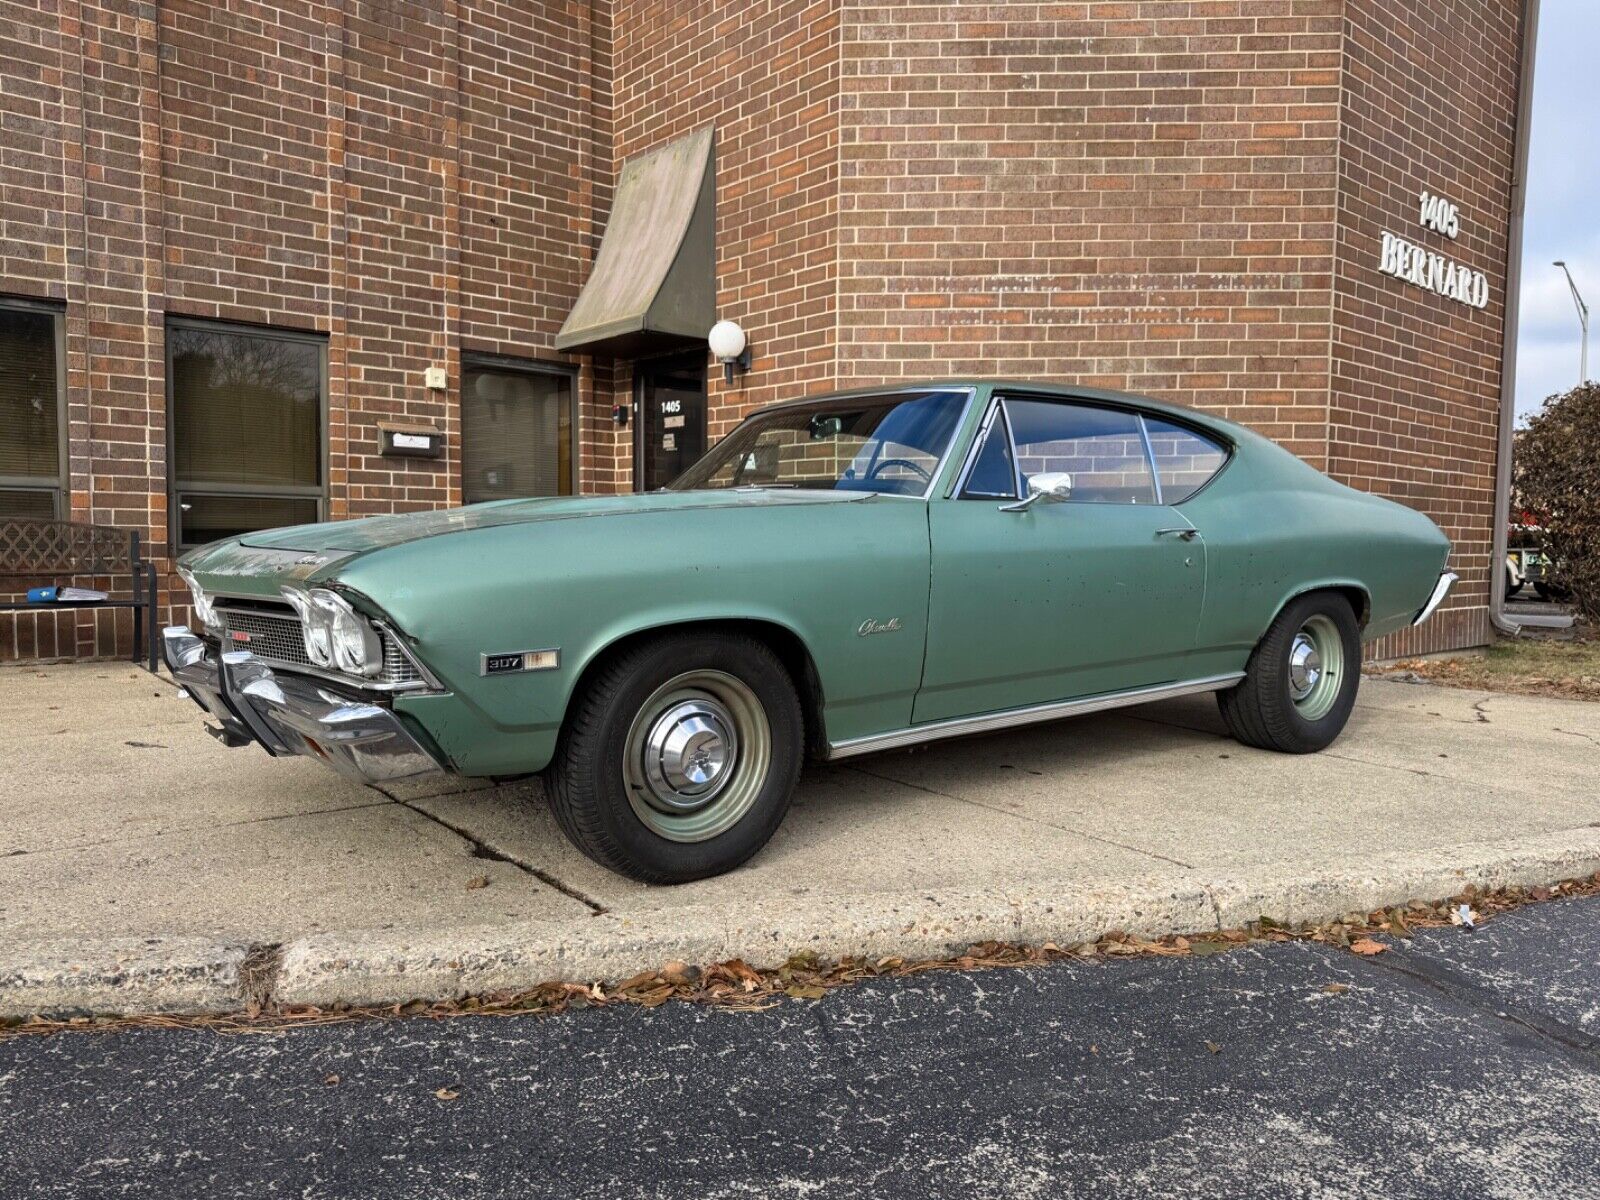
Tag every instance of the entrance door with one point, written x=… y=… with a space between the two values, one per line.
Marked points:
x=1060 y=600
x=670 y=396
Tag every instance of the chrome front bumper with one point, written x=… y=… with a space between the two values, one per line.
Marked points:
x=290 y=714
x=1447 y=580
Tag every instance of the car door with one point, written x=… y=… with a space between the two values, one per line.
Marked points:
x=1059 y=598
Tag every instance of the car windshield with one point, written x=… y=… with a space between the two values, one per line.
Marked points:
x=891 y=444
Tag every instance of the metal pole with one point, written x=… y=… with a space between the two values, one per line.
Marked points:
x=1583 y=324
x=1508 y=332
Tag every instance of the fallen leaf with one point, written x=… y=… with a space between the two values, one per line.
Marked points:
x=476 y=882
x=805 y=991
x=1201 y=949
x=1214 y=1047
x=1336 y=989
x=331 y=1080
x=446 y=1094
x=1368 y=947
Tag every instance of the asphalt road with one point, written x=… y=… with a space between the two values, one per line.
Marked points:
x=1463 y=1065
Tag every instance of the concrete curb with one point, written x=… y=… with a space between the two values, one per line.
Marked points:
x=122 y=975
x=385 y=966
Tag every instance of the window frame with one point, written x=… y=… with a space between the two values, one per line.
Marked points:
x=58 y=485
x=997 y=403
x=177 y=489
x=1226 y=445
x=472 y=360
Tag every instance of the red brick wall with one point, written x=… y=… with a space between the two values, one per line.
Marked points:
x=1179 y=199
x=768 y=76
x=410 y=179
x=1133 y=195
x=1429 y=103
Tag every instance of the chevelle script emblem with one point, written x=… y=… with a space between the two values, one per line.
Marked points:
x=869 y=627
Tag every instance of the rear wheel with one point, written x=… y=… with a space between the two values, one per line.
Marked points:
x=680 y=757
x=1301 y=681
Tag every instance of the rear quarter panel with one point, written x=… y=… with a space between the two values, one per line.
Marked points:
x=817 y=570
x=1275 y=528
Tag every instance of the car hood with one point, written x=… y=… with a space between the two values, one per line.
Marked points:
x=376 y=533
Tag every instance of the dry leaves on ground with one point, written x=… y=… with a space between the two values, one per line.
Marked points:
x=737 y=986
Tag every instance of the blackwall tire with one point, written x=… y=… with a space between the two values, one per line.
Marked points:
x=679 y=759
x=1302 y=678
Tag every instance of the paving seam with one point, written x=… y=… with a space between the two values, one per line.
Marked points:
x=486 y=850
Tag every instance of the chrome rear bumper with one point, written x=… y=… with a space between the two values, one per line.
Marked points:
x=1447 y=580
x=289 y=714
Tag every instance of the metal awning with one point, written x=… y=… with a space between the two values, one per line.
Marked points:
x=653 y=287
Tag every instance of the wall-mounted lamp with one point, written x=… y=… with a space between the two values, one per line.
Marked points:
x=729 y=347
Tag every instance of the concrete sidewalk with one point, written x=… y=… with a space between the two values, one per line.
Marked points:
x=144 y=866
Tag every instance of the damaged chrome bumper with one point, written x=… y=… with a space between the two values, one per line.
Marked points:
x=288 y=714
x=1447 y=580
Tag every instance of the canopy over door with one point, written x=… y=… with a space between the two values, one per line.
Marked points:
x=653 y=286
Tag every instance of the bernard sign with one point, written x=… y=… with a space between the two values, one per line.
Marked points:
x=1428 y=269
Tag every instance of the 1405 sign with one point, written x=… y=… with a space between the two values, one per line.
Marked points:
x=1427 y=268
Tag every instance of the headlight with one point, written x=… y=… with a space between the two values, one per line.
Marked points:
x=314 y=628
x=335 y=635
x=201 y=602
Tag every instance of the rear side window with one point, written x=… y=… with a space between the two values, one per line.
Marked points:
x=1101 y=448
x=1185 y=460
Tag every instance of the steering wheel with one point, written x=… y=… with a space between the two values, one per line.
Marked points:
x=877 y=468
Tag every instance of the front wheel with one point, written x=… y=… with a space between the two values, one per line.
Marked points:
x=680 y=757
x=1301 y=681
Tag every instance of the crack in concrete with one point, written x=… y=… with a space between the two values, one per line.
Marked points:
x=1588 y=737
x=484 y=850
x=258 y=973
x=1083 y=833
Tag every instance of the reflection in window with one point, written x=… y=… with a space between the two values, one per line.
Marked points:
x=888 y=444
x=1185 y=461
x=30 y=411
x=516 y=434
x=246 y=430
x=993 y=473
x=1101 y=448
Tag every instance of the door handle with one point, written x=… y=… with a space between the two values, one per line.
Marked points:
x=1186 y=533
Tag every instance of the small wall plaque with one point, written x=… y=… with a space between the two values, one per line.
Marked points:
x=411 y=441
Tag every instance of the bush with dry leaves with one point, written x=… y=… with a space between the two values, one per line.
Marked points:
x=1557 y=474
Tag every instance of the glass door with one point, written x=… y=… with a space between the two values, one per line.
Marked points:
x=516 y=433
x=670 y=395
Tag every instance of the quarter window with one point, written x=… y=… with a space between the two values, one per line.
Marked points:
x=1185 y=461
x=247 y=430
x=31 y=428
x=993 y=474
x=1101 y=448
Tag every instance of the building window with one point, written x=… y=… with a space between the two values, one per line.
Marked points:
x=518 y=431
x=248 y=415
x=33 y=460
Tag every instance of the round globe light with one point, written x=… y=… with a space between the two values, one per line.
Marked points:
x=727 y=341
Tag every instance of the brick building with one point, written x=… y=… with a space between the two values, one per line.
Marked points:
x=234 y=239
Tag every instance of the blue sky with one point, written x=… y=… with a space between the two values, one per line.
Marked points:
x=1563 y=194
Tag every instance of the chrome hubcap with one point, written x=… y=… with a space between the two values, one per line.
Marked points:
x=696 y=756
x=1316 y=667
x=1305 y=666
x=687 y=753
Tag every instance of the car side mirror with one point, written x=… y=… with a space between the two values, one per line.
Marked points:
x=1047 y=487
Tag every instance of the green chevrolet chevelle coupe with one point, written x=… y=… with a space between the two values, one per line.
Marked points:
x=839 y=575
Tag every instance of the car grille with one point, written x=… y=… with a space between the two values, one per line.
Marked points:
x=275 y=637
